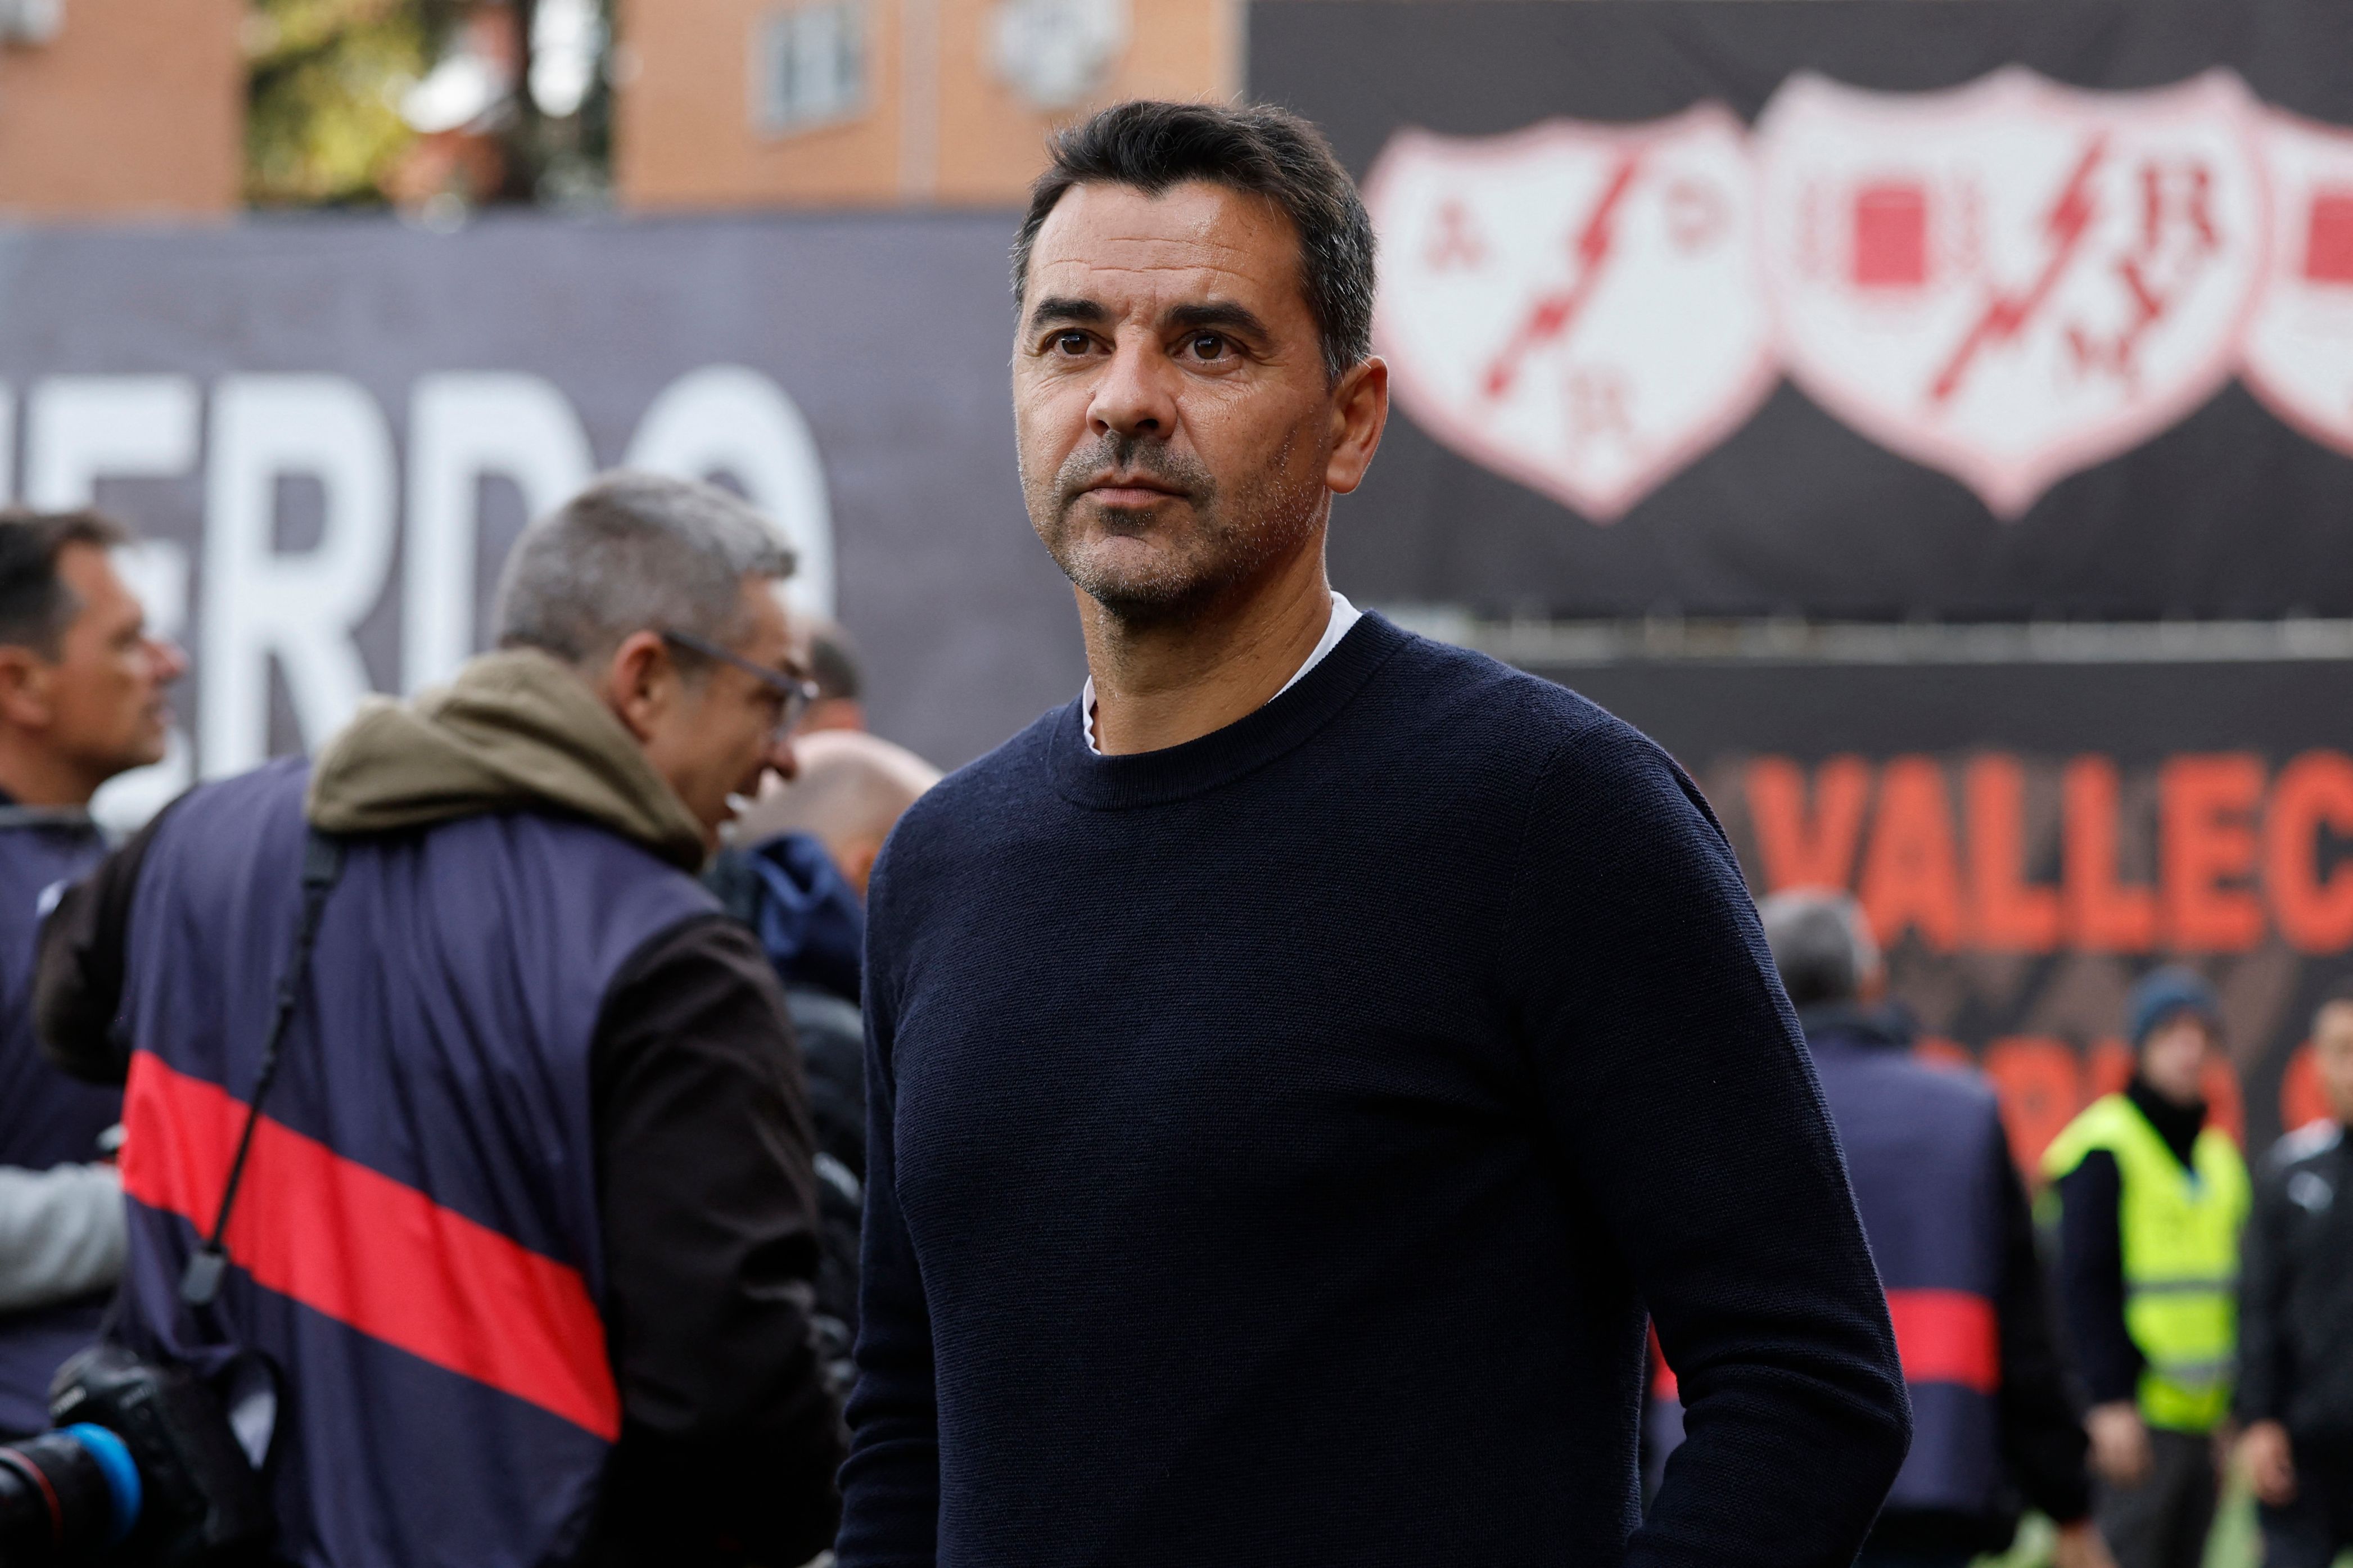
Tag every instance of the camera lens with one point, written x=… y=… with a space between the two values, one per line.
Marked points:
x=57 y=1502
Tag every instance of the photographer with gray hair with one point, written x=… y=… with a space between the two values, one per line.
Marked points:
x=1992 y=1414
x=527 y=1227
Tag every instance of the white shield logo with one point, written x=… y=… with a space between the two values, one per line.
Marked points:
x=1574 y=305
x=2300 y=347
x=2014 y=280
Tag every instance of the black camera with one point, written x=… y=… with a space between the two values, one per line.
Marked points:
x=143 y=1468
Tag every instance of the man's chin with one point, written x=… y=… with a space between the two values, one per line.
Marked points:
x=1132 y=578
x=145 y=754
x=1144 y=601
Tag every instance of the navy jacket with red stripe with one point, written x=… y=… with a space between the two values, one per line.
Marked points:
x=1996 y=1414
x=1925 y=1150
x=417 y=1242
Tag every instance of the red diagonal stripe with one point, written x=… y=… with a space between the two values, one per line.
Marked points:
x=369 y=1252
x=1947 y=1336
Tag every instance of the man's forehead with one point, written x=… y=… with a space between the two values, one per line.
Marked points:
x=1194 y=240
x=90 y=571
x=772 y=615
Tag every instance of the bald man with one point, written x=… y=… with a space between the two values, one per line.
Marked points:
x=852 y=788
x=797 y=875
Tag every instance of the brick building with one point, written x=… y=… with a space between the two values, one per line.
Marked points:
x=737 y=103
x=120 y=108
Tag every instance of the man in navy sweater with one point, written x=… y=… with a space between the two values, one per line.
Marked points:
x=1294 y=1066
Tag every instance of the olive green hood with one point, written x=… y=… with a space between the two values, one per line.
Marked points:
x=517 y=729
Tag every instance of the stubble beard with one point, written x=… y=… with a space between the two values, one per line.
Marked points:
x=1230 y=537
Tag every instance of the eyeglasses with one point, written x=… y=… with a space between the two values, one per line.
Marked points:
x=795 y=692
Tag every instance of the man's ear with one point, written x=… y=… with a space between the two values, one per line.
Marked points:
x=641 y=682
x=25 y=701
x=1360 y=411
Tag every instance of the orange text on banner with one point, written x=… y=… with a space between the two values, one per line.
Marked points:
x=1946 y=852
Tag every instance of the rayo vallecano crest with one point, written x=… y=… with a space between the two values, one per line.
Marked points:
x=2299 y=355
x=1575 y=305
x=2014 y=280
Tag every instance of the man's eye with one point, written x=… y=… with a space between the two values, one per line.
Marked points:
x=1207 y=345
x=1070 y=343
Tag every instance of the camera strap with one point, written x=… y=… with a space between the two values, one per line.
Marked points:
x=323 y=862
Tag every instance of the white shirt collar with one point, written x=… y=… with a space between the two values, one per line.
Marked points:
x=1344 y=615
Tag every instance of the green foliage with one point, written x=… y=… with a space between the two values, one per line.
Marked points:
x=323 y=88
x=325 y=80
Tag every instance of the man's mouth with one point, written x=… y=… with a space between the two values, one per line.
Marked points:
x=1131 y=489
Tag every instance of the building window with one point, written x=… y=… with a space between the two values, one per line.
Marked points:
x=809 y=66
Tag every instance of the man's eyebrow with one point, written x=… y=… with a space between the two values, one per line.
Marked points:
x=1237 y=318
x=1061 y=308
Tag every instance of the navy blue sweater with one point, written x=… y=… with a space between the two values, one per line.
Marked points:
x=1274 y=1140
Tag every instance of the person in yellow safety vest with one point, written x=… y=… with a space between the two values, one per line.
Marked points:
x=2151 y=1201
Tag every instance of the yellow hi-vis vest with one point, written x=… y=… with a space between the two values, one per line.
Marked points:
x=2180 y=1247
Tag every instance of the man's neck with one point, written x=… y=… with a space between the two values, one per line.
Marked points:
x=1162 y=685
x=33 y=777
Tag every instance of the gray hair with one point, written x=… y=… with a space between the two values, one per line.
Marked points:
x=1820 y=943
x=635 y=552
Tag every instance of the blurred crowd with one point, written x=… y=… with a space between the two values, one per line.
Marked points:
x=2097 y=1338
x=708 y=1196
x=1264 y=1102
x=2106 y=1359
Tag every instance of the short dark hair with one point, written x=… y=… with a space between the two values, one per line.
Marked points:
x=833 y=662
x=1257 y=148
x=35 y=605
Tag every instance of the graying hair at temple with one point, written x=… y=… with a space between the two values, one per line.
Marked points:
x=635 y=552
x=1820 y=943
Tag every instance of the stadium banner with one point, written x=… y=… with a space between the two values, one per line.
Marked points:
x=1962 y=309
x=2027 y=837
x=331 y=429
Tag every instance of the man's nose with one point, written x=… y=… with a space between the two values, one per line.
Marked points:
x=171 y=659
x=1136 y=395
x=780 y=757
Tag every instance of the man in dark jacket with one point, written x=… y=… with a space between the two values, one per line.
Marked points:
x=528 y=1225
x=2295 y=1322
x=81 y=698
x=797 y=875
x=809 y=921
x=1994 y=1419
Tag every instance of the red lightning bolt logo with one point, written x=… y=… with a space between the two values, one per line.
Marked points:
x=2006 y=315
x=1552 y=315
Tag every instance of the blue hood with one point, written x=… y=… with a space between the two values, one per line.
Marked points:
x=806 y=913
